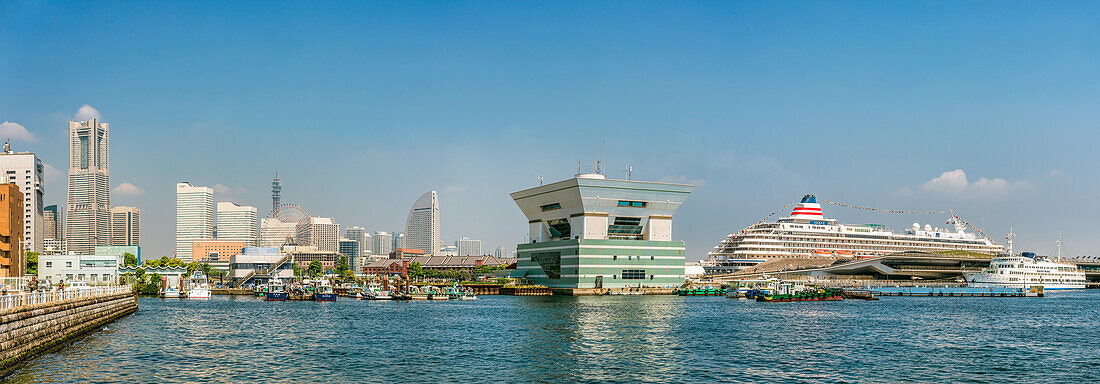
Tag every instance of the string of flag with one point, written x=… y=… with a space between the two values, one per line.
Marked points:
x=959 y=219
x=761 y=221
x=882 y=210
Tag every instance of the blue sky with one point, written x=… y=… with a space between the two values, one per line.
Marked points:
x=361 y=107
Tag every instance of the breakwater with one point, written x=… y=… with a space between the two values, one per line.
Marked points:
x=35 y=323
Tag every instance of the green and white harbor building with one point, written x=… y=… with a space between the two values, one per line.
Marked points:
x=593 y=232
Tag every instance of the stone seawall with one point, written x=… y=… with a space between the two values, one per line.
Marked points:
x=32 y=329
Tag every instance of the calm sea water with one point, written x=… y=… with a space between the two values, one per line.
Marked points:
x=590 y=339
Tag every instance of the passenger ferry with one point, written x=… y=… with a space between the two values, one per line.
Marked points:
x=1027 y=270
x=806 y=233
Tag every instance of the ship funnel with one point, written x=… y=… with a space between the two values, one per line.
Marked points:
x=808 y=208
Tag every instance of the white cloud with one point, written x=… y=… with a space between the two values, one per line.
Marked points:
x=16 y=131
x=955 y=183
x=87 y=113
x=128 y=190
x=53 y=174
x=222 y=189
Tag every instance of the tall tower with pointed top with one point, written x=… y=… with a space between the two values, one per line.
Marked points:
x=276 y=192
x=88 y=212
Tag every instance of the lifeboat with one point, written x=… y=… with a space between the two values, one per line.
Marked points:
x=845 y=253
x=822 y=252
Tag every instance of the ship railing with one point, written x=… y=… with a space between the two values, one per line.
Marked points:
x=42 y=297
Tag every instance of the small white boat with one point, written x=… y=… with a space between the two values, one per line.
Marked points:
x=375 y=292
x=199 y=289
x=171 y=293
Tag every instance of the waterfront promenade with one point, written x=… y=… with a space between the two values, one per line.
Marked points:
x=35 y=322
x=610 y=339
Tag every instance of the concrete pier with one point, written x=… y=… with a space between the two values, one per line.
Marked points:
x=31 y=324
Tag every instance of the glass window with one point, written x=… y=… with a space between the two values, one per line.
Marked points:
x=636 y=204
x=633 y=274
x=550 y=207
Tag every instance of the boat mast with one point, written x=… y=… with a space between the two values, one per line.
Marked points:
x=1008 y=240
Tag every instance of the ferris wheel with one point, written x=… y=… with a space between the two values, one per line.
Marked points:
x=290 y=213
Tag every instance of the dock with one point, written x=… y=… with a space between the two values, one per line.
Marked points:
x=953 y=292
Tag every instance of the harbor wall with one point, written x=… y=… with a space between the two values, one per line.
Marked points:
x=29 y=330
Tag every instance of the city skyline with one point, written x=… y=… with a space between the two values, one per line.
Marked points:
x=889 y=127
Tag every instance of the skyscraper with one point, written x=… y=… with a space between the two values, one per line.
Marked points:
x=237 y=222
x=324 y=234
x=383 y=243
x=51 y=223
x=275 y=233
x=25 y=170
x=125 y=226
x=194 y=217
x=360 y=236
x=467 y=247
x=422 y=225
x=88 y=211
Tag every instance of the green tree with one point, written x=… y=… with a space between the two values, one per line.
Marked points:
x=32 y=263
x=315 y=268
x=416 y=272
x=297 y=270
x=342 y=265
x=128 y=259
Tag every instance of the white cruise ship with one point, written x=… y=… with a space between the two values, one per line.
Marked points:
x=1025 y=271
x=806 y=233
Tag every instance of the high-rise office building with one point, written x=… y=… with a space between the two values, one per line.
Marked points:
x=383 y=243
x=26 y=170
x=399 y=241
x=422 y=224
x=368 y=243
x=237 y=222
x=502 y=253
x=275 y=233
x=360 y=236
x=51 y=223
x=324 y=234
x=350 y=248
x=125 y=226
x=88 y=208
x=12 y=262
x=194 y=217
x=467 y=247
x=276 y=192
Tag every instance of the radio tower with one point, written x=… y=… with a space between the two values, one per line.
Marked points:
x=276 y=190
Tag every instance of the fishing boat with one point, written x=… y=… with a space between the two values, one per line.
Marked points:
x=324 y=292
x=820 y=294
x=259 y=290
x=375 y=292
x=704 y=291
x=199 y=288
x=276 y=291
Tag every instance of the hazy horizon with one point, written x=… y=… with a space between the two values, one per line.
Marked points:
x=984 y=108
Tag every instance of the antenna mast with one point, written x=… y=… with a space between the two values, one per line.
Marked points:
x=1058 y=252
x=1008 y=240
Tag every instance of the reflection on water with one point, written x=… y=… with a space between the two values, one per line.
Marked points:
x=625 y=339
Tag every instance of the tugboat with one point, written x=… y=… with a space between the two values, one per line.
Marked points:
x=276 y=291
x=324 y=292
